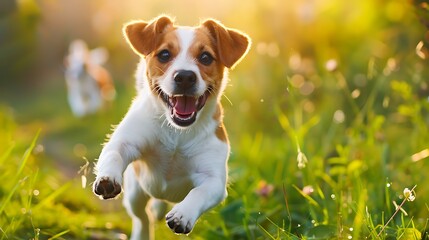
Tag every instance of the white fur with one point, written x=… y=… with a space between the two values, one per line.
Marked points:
x=187 y=166
x=183 y=62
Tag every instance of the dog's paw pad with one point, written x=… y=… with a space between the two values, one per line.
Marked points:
x=107 y=188
x=178 y=224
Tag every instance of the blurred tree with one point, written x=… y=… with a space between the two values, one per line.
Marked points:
x=18 y=25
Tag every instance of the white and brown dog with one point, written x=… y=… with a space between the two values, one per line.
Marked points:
x=89 y=85
x=173 y=134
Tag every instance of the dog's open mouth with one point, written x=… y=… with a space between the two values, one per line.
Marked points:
x=183 y=108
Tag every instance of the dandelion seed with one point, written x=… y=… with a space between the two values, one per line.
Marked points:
x=388 y=185
x=36 y=192
x=301 y=159
x=83 y=180
x=84 y=171
x=351 y=229
x=333 y=196
x=408 y=194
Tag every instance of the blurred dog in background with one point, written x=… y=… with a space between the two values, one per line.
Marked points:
x=89 y=84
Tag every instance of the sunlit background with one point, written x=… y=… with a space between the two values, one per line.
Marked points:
x=324 y=79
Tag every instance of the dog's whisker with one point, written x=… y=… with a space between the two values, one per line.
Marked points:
x=164 y=121
x=229 y=100
x=160 y=69
x=162 y=115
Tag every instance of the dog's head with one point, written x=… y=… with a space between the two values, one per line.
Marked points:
x=185 y=66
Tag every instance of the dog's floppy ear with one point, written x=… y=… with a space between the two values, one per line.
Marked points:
x=231 y=45
x=143 y=36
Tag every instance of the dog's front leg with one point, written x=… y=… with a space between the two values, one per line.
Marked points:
x=124 y=146
x=182 y=217
x=209 y=177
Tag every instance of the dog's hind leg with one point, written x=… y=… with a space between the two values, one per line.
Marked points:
x=135 y=201
x=158 y=209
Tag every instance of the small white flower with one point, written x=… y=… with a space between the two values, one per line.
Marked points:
x=302 y=160
x=408 y=194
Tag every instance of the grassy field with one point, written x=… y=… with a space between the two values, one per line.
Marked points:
x=329 y=134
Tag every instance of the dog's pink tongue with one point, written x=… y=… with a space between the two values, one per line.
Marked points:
x=185 y=105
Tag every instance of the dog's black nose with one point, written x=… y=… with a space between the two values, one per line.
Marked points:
x=185 y=79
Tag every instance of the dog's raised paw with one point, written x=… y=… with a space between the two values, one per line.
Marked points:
x=106 y=188
x=178 y=223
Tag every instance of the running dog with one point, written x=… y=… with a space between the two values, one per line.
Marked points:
x=172 y=145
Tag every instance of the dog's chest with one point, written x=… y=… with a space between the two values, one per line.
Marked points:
x=168 y=169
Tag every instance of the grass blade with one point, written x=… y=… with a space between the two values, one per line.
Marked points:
x=59 y=234
x=27 y=155
x=309 y=199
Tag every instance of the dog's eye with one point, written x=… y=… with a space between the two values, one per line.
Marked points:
x=205 y=58
x=164 y=56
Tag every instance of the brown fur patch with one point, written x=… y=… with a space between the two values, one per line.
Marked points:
x=155 y=69
x=220 y=130
x=231 y=45
x=221 y=133
x=104 y=81
x=143 y=37
x=213 y=73
x=136 y=167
